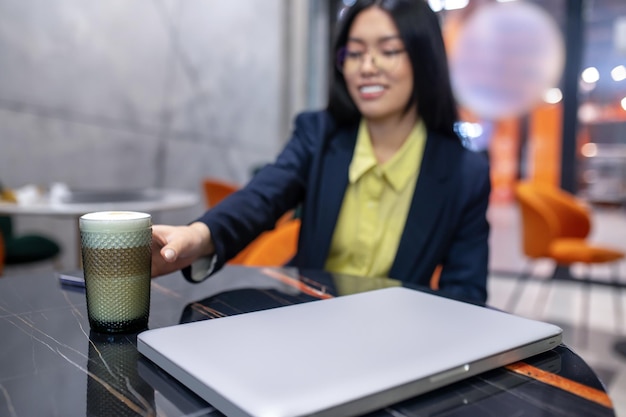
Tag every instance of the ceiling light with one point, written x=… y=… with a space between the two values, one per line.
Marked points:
x=589 y=149
x=455 y=4
x=587 y=113
x=590 y=75
x=438 y=5
x=553 y=95
x=470 y=130
x=618 y=73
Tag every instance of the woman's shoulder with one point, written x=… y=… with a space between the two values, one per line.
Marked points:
x=315 y=118
x=321 y=125
x=464 y=157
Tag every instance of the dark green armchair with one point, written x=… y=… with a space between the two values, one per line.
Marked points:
x=25 y=248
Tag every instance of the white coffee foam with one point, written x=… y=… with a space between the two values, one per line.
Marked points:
x=114 y=221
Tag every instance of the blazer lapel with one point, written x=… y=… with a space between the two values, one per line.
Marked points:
x=332 y=186
x=427 y=205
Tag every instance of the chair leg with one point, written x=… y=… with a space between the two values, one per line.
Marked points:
x=511 y=303
x=563 y=273
x=541 y=300
x=620 y=345
x=619 y=311
x=586 y=294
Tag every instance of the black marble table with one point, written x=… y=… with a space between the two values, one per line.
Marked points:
x=52 y=365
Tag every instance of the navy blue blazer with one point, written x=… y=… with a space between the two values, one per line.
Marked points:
x=446 y=223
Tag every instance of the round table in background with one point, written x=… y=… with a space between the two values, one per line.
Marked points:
x=79 y=202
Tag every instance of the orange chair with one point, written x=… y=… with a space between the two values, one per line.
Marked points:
x=216 y=190
x=275 y=247
x=556 y=225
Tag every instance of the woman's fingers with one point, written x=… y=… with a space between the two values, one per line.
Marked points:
x=176 y=247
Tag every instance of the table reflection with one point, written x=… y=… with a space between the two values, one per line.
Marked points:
x=290 y=286
x=114 y=387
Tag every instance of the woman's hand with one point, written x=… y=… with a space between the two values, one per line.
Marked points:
x=176 y=247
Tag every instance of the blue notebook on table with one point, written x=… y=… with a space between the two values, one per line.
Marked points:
x=342 y=356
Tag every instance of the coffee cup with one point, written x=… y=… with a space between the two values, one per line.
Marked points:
x=116 y=254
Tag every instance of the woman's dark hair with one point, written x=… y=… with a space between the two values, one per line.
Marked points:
x=421 y=34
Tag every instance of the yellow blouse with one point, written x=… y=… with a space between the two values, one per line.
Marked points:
x=375 y=206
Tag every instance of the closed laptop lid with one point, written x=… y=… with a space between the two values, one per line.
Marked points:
x=341 y=356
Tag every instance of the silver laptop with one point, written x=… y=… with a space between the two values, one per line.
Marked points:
x=342 y=356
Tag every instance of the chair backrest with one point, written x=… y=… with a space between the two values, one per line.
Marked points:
x=276 y=247
x=216 y=190
x=240 y=258
x=539 y=223
x=574 y=217
x=549 y=213
x=6 y=226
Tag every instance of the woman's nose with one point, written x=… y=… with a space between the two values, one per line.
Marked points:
x=369 y=63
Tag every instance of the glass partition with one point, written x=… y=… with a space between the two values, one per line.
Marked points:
x=532 y=119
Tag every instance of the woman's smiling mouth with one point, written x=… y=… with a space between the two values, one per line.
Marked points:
x=371 y=91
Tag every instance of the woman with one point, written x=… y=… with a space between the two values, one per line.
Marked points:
x=385 y=185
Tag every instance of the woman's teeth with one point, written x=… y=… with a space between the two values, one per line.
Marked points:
x=370 y=89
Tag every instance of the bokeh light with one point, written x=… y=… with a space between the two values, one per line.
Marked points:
x=618 y=73
x=590 y=75
x=553 y=95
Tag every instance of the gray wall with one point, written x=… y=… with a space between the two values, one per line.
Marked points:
x=138 y=93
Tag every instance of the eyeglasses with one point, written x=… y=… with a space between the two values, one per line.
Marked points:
x=351 y=60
